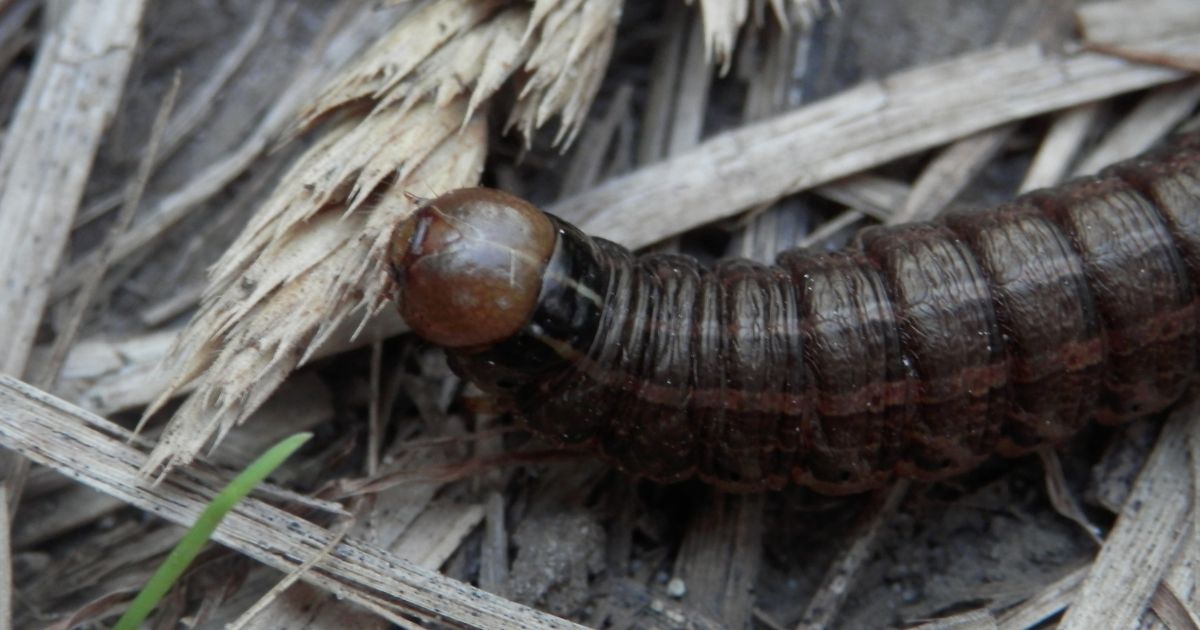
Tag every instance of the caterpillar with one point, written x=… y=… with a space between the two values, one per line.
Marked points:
x=916 y=352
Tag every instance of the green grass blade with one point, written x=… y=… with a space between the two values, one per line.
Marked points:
x=194 y=540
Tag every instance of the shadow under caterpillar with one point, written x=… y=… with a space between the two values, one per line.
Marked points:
x=917 y=352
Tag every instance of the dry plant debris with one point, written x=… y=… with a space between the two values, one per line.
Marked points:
x=47 y=155
x=874 y=123
x=408 y=118
x=411 y=116
x=384 y=583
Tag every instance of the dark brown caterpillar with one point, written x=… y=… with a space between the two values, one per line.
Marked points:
x=918 y=352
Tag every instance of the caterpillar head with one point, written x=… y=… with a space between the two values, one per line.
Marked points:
x=468 y=266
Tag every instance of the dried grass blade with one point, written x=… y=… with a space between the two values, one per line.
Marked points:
x=860 y=128
x=57 y=434
x=72 y=95
x=1141 y=547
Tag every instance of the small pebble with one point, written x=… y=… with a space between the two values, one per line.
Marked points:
x=676 y=588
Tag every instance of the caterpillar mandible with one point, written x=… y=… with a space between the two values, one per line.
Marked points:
x=917 y=352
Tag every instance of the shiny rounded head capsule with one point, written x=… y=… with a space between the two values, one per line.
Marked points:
x=469 y=266
x=917 y=352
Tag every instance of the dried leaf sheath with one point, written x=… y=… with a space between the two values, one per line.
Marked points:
x=292 y=293
x=570 y=50
x=723 y=19
x=408 y=117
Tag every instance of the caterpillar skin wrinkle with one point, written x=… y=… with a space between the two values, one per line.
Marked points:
x=917 y=352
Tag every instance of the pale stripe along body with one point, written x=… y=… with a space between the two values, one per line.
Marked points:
x=917 y=352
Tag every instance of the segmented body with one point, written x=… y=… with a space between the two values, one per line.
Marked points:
x=917 y=352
